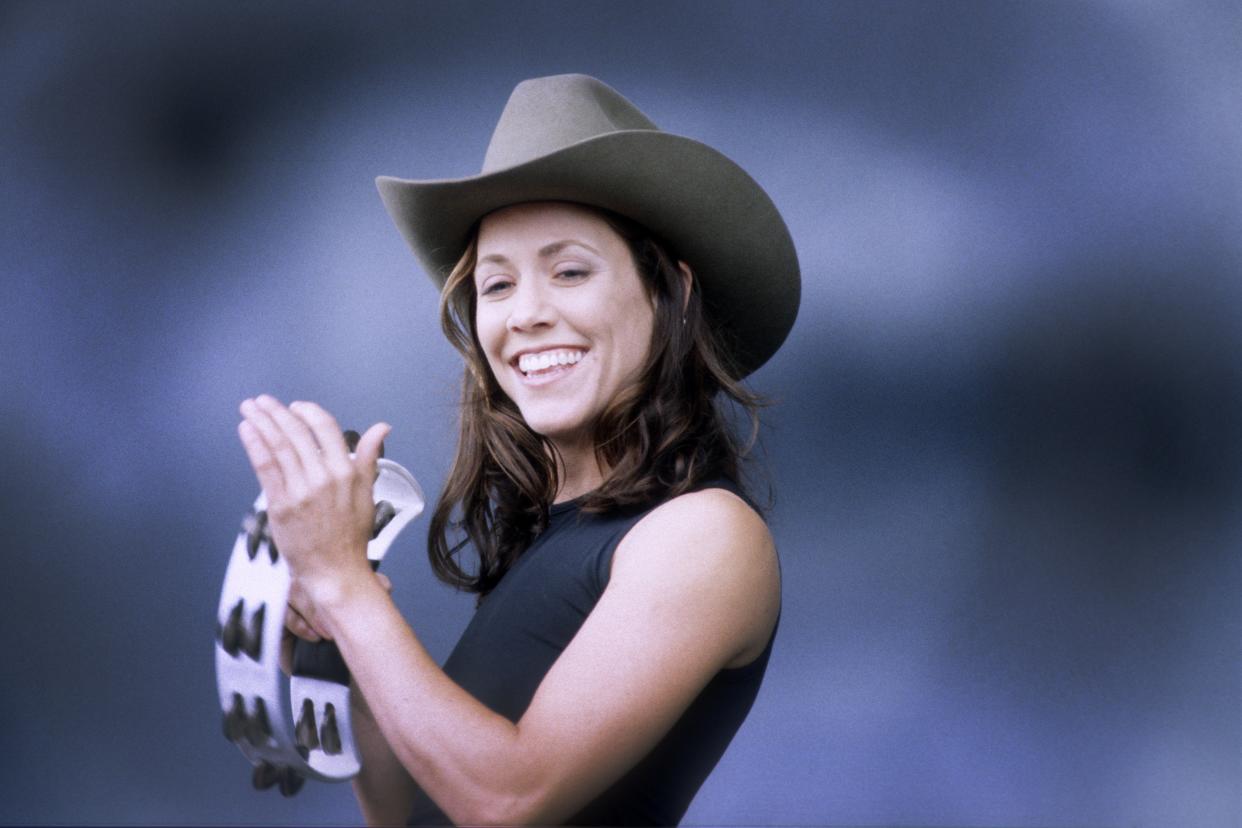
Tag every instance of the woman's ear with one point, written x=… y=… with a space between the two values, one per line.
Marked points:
x=687 y=284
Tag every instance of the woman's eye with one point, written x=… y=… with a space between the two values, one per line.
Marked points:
x=495 y=286
x=572 y=273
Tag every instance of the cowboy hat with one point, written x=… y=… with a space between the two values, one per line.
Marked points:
x=574 y=138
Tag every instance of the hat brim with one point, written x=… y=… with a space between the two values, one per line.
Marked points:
x=716 y=217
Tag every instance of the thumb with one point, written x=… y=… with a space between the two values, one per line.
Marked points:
x=369 y=447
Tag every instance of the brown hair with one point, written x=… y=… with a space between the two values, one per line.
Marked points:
x=662 y=436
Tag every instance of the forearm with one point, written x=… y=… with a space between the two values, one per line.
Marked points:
x=320 y=510
x=467 y=758
x=383 y=788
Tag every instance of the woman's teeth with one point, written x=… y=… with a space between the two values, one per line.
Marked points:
x=534 y=363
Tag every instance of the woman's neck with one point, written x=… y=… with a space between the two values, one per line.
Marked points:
x=577 y=470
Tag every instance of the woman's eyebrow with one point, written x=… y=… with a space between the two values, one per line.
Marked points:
x=556 y=247
x=545 y=251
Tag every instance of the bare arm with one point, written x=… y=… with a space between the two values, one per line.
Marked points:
x=694 y=589
x=385 y=792
x=384 y=789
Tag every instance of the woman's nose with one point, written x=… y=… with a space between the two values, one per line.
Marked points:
x=530 y=307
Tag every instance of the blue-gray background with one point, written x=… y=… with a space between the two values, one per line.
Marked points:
x=1005 y=445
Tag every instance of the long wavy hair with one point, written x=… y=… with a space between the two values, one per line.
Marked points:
x=663 y=435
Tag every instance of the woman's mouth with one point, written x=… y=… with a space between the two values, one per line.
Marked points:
x=548 y=364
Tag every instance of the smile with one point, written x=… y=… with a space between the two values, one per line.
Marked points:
x=547 y=363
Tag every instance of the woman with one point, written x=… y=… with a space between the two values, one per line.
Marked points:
x=607 y=283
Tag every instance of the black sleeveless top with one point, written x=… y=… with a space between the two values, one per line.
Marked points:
x=525 y=623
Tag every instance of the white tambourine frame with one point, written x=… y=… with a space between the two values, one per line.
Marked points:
x=251 y=685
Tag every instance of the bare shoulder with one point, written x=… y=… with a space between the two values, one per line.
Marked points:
x=716 y=554
x=713 y=524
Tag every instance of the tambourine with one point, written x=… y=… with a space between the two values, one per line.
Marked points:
x=311 y=737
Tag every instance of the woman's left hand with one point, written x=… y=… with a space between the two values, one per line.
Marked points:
x=319 y=499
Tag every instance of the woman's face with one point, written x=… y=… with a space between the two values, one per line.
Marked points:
x=562 y=315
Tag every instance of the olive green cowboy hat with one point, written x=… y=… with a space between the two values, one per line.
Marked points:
x=573 y=138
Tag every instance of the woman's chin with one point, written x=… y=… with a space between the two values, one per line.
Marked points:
x=566 y=433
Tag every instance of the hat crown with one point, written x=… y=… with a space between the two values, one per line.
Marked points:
x=544 y=115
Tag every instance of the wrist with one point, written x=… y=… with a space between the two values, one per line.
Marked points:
x=338 y=598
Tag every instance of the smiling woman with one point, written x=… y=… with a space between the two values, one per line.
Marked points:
x=565 y=325
x=609 y=285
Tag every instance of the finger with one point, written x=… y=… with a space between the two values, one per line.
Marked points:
x=299 y=436
x=327 y=433
x=297 y=598
x=278 y=444
x=367 y=455
x=266 y=469
x=298 y=625
x=385 y=582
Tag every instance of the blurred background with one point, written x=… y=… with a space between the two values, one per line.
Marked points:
x=1005 y=440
